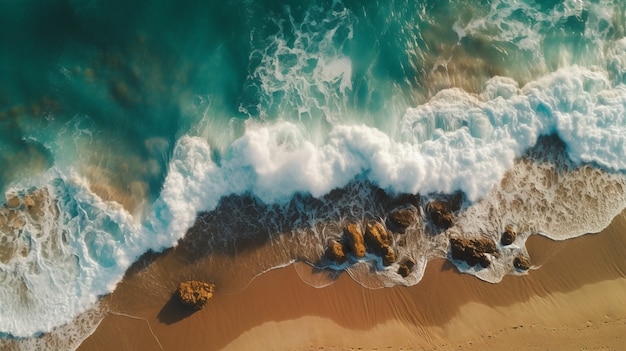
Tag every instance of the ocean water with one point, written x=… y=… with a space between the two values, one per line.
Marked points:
x=123 y=125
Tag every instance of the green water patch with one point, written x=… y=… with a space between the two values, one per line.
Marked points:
x=21 y=159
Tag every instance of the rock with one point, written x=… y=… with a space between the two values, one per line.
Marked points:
x=403 y=217
x=123 y=94
x=403 y=199
x=195 y=294
x=440 y=213
x=508 y=237
x=29 y=202
x=336 y=252
x=473 y=251
x=406 y=267
x=378 y=242
x=388 y=256
x=17 y=223
x=377 y=238
x=13 y=201
x=522 y=263
x=355 y=240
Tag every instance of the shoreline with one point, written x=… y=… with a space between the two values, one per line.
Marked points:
x=576 y=292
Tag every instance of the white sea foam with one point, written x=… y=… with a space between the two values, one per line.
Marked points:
x=457 y=141
x=81 y=246
x=587 y=112
x=616 y=61
x=303 y=71
x=76 y=252
x=559 y=200
x=527 y=26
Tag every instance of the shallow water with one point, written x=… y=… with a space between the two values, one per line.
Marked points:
x=122 y=122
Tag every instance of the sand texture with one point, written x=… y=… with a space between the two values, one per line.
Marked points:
x=573 y=300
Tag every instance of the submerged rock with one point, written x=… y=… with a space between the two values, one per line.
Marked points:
x=473 y=251
x=194 y=293
x=336 y=252
x=29 y=202
x=440 y=213
x=355 y=240
x=406 y=267
x=522 y=263
x=13 y=201
x=402 y=218
x=508 y=237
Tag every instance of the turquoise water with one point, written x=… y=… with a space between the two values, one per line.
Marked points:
x=123 y=121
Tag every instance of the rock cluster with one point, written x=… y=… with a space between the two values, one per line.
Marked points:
x=403 y=211
x=15 y=212
x=194 y=293
x=376 y=238
x=473 y=251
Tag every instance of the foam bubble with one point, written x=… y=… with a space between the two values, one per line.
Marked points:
x=571 y=32
x=616 y=61
x=303 y=70
x=587 y=112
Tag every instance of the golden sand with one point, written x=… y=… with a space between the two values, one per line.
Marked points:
x=574 y=300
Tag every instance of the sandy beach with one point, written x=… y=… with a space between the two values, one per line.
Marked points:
x=573 y=300
x=341 y=175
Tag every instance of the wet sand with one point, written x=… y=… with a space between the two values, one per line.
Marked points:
x=574 y=300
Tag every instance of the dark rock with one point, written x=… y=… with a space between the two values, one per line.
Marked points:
x=522 y=263
x=336 y=252
x=391 y=201
x=405 y=199
x=195 y=294
x=455 y=201
x=440 y=213
x=355 y=240
x=508 y=237
x=403 y=217
x=388 y=256
x=406 y=267
x=473 y=251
